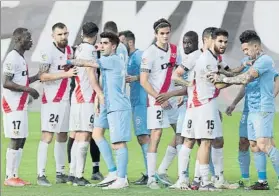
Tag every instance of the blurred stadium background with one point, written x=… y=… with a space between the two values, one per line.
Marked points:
x=235 y=16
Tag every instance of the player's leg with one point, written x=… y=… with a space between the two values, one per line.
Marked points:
x=95 y=157
x=120 y=134
x=143 y=137
x=100 y=124
x=71 y=151
x=259 y=156
x=264 y=135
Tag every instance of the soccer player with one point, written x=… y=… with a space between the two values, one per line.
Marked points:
x=202 y=99
x=117 y=104
x=259 y=81
x=82 y=104
x=15 y=96
x=138 y=98
x=55 y=108
x=157 y=65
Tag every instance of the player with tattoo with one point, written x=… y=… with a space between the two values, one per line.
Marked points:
x=259 y=81
x=55 y=108
x=16 y=91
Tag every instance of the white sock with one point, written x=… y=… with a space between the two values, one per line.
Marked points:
x=167 y=160
x=197 y=171
x=11 y=157
x=204 y=171
x=218 y=162
x=73 y=159
x=42 y=158
x=151 y=164
x=18 y=159
x=81 y=153
x=183 y=160
x=60 y=156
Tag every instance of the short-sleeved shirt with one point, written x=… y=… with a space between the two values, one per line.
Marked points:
x=113 y=80
x=15 y=65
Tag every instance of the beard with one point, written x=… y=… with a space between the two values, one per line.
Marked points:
x=62 y=44
x=219 y=51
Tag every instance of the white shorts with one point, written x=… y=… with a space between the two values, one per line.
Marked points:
x=158 y=118
x=15 y=124
x=203 y=122
x=55 y=117
x=82 y=117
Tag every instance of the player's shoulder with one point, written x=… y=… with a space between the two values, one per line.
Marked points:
x=122 y=48
x=194 y=55
x=12 y=56
x=150 y=50
x=266 y=58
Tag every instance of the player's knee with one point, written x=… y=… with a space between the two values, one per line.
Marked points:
x=72 y=134
x=189 y=142
x=179 y=139
x=264 y=144
x=143 y=139
x=47 y=137
x=253 y=146
x=218 y=142
x=15 y=143
x=272 y=142
x=244 y=144
x=156 y=135
x=62 y=137
x=206 y=143
x=83 y=136
x=97 y=134
x=118 y=145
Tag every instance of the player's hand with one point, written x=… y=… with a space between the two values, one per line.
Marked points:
x=166 y=105
x=161 y=98
x=215 y=78
x=72 y=72
x=33 y=93
x=130 y=79
x=230 y=109
x=180 y=101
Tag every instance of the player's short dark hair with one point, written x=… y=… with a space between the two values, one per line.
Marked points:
x=192 y=35
x=18 y=32
x=207 y=32
x=90 y=29
x=129 y=35
x=219 y=32
x=110 y=26
x=59 y=25
x=113 y=38
x=249 y=36
x=161 y=23
x=121 y=33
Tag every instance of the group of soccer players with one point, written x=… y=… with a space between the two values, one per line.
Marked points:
x=84 y=92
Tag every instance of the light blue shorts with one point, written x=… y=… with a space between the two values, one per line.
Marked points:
x=101 y=120
x=180 y=120
x=243 y=125
x=140 y=120
x=120 y=126
x=260 y=125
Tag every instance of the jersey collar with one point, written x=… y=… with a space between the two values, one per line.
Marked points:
x=162 y=48
x=59 y=48
x=213 y=54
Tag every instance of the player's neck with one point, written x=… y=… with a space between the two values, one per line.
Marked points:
x=161 y=45
x=19 y=49
x=88 y=40
x=131 y=50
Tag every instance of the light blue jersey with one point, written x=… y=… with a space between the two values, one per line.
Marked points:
x=138 y=96
x=122 y=52
x=113 y=80
x=260 y=92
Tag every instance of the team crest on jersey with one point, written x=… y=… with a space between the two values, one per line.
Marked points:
x=44 y=57
x=144 y=61
x=138 y=120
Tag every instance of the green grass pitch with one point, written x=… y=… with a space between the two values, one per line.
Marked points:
x=28 y=166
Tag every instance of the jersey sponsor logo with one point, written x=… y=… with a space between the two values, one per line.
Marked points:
x=24 y=73
x=144 y=61
x=166 y=65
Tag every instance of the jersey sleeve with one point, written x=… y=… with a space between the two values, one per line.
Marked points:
x=146 y=61
x=9 y=65
x=262 y=65
x=88 y=53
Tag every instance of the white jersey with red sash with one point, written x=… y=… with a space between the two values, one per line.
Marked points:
x=58 y=90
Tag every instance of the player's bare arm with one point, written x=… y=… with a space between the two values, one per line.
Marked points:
x=144 y=75
x=237 y=99
x=9 y=84
x=94 y=83
x=276 y=86
x=83 y=63
x=33 y=78
x=161 y=98
x=244 y=78
x=44 y=74
x=130 y=79
x=177 y=76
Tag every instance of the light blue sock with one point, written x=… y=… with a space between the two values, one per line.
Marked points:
x=106 y=153
x=122 y=162
x=211 y=166
x=274 y=157
x=244 y=163
x=260 y=164
x=144 y=148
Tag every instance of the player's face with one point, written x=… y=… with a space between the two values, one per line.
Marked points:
x=250 y=50
x=220 y=44
x=122 y=39
x=61 y=37
x=188 y=45
x=163 y=35
x=107 y=48
x=26 y=40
